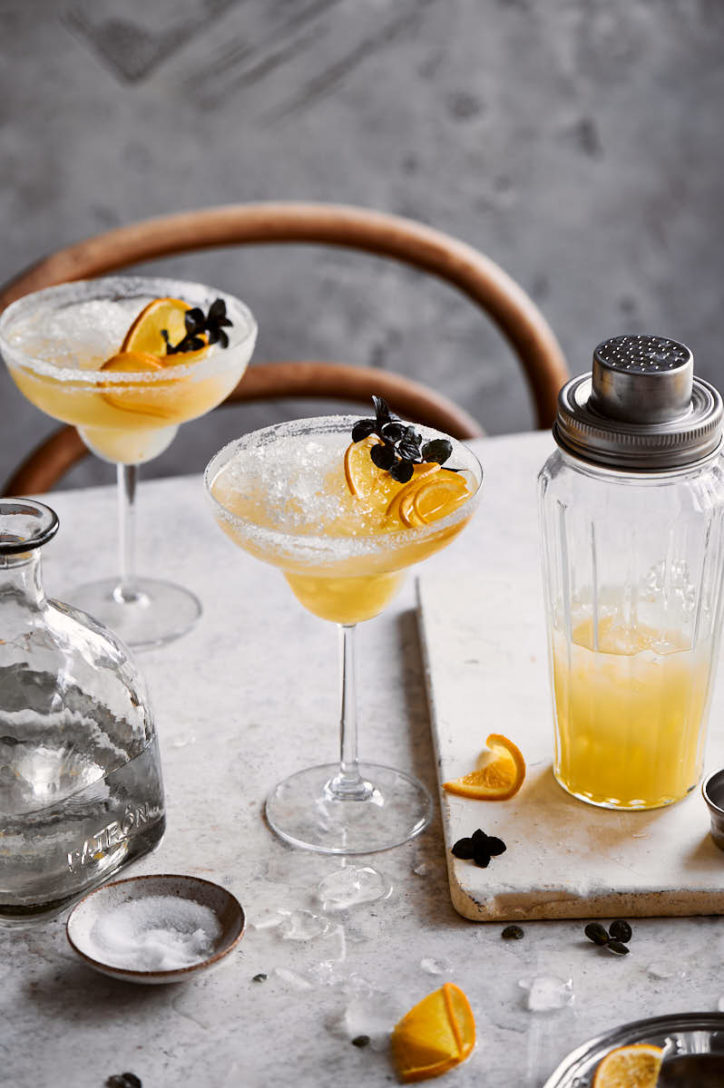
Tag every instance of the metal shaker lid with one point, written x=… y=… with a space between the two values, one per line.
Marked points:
x=641 y=409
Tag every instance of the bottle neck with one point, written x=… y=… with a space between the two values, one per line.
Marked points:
x=21 y=585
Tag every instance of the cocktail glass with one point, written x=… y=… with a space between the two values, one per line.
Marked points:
x=281 y=494
x=55 y=343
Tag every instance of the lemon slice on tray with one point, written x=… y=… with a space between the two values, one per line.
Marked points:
x=434 y=1036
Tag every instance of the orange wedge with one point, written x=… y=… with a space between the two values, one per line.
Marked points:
x=434 y=1036
x=500 y=775
x=144 y=335
x=635 y=1066
x=132 y=398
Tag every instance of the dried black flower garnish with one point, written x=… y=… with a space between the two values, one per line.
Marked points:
x=479 y=848
x=614 y=938
x=618 y=948
x=201 y=329
x=620 y=931
x=261 y=977
x=400 y=445
x=361 y=1041
x=512 y=933
x=124 y=1080
x=597 y=933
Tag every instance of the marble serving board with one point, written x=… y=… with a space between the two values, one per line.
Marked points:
x=484 y=649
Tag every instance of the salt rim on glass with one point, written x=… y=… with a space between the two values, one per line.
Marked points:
x=155 y=929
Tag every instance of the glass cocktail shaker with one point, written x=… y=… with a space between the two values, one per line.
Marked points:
x=632 y=515
x=80 y=780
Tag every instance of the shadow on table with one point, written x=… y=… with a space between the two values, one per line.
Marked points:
x=71 y=991
x=429 y=895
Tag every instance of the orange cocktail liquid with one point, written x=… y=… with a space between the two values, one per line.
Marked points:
x=124 y=420
x=631 y=714
x=356 y=555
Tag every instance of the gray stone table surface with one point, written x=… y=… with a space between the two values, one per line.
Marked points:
x=247 y=697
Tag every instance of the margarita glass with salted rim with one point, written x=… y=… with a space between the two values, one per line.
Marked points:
x=56 y=343
x=281 y=494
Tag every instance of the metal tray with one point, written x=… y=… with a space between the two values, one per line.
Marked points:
x=693 y=1043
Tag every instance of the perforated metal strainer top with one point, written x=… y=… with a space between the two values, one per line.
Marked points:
x=641 y=409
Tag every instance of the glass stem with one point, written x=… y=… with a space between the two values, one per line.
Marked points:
x=348 y=784
x=126 y=591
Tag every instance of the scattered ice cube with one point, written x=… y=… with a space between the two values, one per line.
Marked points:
x=328 y=972
x=423 y=869
x=302 y=925
x=434 y=967
x=363 y=927
x=293 y=978
x=662 y=969
x=547 y=992
x=182 y=742
x=374 y=1015
x=268 y=919
x=352 y=886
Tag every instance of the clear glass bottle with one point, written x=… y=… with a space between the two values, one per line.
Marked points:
x=632 y=517
x=81 y=793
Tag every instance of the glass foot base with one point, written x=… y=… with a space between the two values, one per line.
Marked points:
x=302 y=810
x=158 y=613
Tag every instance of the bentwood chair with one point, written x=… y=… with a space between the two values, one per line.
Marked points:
x=430 y=250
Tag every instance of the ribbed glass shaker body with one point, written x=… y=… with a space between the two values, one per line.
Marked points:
x=632 y=566
x=80 y=781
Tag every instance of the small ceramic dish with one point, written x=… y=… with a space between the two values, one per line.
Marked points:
x=155 y=929
x=713 y=793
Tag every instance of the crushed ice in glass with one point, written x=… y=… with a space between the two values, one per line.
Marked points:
x=351 y=886
x=157 y=933
x=547 y=992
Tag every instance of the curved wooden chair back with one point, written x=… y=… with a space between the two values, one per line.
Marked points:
x=415 y=244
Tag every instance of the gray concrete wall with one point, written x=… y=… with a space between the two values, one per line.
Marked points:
x=576 y=142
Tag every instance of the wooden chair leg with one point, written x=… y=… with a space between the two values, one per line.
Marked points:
x=48 y=462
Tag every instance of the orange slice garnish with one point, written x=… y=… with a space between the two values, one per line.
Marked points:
x=500 y=775
x=434 y=1036
x=402 y=506
x=635 y=1066
x=365 y=480
x=145 y=334
x=132 y=398
x=429 y=496
x=437 y=498
x=413 y=504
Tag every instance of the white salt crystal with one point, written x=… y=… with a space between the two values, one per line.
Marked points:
x=157 y=933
